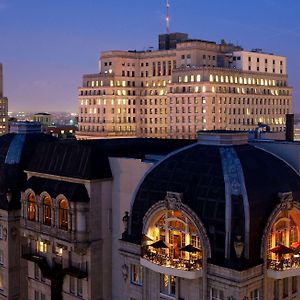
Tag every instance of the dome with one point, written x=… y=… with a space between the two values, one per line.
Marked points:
x=15 y=153
x=233 y=190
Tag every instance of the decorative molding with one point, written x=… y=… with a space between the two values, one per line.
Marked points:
x=173 y=201
x=234 y=186
x=287 y=203
x=125 y=270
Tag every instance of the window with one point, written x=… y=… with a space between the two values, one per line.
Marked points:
x=136 y=274
x=216 y=294
x=294 y=284
x=167 y=285
x=285 y=291
x=42 y=246
x=79 y=287
x=63 y=214
x=31 y=208
x=72 y=285
x=1 y=282
x=39 y=296
x=47 y=211
x=1 y=257
x=254 y=295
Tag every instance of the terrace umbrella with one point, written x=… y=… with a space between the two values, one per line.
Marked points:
x=159 y=245
x=147 y=238
x=190 y=248
x=281 y=249
x=295 y=245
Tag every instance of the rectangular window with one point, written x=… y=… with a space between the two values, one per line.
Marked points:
x=72 y=285
x=254 y=295
x=136 y=274
x=167 y=285
x=294 y=284
x=1 y=257
x=285 y=290
x=79 y=287
x=216 y=294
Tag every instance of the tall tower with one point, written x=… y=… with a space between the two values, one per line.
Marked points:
x=3 y=106
x=168 y=18
x=1 y=81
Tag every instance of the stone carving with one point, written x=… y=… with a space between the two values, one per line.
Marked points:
x=124 y=269
x=173 y=201
x=286 y=200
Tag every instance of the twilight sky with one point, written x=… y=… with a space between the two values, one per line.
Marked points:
x=46 y=45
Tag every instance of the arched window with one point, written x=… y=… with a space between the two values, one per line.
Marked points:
x=31 y=207
x=47 y=216
x=63 y=214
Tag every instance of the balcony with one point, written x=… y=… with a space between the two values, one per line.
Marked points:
x=283 y=267
x=161 y=261
x=53 y=266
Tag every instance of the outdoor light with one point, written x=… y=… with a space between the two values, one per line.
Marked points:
x=238 y=246
x=9 y=195
x=126 y=221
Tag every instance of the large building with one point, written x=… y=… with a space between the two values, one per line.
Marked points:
x=185 y=86
x=217 y=218
x=3 y=106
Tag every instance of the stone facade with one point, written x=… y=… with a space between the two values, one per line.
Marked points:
x=197 y=85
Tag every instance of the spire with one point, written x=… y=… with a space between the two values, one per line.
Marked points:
x=168 y=18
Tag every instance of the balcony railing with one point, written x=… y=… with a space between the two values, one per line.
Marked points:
x=284 y=264
x=169 y=261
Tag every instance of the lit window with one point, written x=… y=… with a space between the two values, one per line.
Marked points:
x=192 y=78
x=42 y=246
x=63 y=214
x=136 y=274
x=168 y=285
x=203 y=89
x=31 y=207
x=198 y=78
x=186 y=78
x=47 y=210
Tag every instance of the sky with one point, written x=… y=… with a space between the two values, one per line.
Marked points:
x=46 y=46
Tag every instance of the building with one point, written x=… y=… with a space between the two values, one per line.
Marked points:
x=185 y=86
x=3 y=106
x=44 y=118
x=216 y=218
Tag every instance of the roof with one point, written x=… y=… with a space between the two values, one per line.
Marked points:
x=89 y=159
x=198 y=173
x=74 y=192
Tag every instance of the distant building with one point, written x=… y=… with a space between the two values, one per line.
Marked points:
x=44 y=118
x=3 y=106
x=62 y=131
x=185 y=86
x=25 y=127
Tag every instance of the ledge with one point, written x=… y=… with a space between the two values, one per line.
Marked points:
x=283 y=274
x=171 y=271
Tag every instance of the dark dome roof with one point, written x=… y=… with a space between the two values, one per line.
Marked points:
x=15 y=153
x=198 y=173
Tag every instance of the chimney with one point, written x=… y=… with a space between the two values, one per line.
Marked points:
x=289 y=130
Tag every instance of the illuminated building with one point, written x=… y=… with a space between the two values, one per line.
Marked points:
x=185 y=86
x=216 y=218
x=3 y=107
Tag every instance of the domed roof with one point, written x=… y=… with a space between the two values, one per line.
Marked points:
x=15 y=153
x=213 y=178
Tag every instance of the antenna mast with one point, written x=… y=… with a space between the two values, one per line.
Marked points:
x=168 y=18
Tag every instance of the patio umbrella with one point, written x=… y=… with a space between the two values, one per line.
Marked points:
x=159 y=244
x=281 y=249
x=190 y=248
x=147 y=238
x=296 y=245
